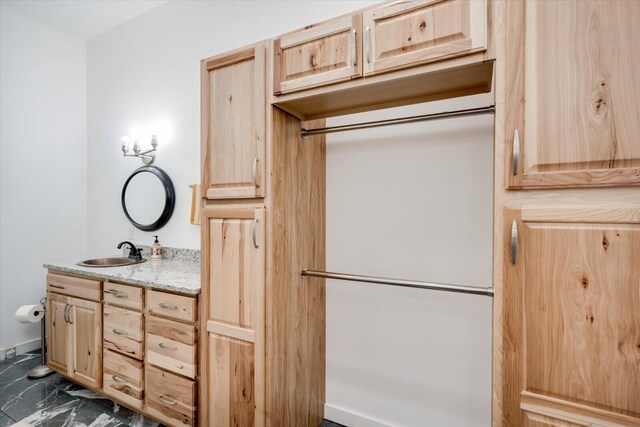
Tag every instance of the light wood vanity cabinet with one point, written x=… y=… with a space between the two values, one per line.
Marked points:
x=402 y=34
x=74 y=330
x=233 y=124
x=574 y=95
x=572 y=297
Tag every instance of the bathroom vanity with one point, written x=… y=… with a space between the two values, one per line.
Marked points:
x=129 y=333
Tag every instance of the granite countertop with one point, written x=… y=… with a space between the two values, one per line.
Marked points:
x=178 y=271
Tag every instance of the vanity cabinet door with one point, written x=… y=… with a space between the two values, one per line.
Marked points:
x=233 y=375
x=85 y=326
x=572 y=325
x=58 y=333
x=408 y=33
x=573 y=96
x=233 y=124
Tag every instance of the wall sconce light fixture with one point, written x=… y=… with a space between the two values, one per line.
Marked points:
x=147 y=156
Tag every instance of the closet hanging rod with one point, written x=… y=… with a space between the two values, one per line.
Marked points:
x=379 y=123
x=400 y=282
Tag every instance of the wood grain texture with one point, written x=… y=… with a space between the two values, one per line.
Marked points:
x=319 y=54
x=170 y=398
x=85 y=321
x=124 y=331
x=123 y=378
x=232 y=388
x=124 y=296
x=232 y=126
x=537 y=420
x=171 y=345
x=171 y=306
x=457 y=76
x=574 y=96
x=74 y=286
x=571 y=328
x=410 y=33
x=295 y=306
x=58 y=337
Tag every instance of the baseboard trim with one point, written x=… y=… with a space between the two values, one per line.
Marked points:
x=22 y=348
x=351 y=418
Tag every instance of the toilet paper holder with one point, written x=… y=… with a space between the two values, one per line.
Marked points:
x=42 y=370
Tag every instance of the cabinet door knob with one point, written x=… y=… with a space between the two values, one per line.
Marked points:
x=367 y=43
x=254 y=173
x=254 y=231
x=516 y=151
x=514 y=242
x=167 y=401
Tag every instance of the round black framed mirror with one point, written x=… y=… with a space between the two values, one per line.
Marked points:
x=148 y=198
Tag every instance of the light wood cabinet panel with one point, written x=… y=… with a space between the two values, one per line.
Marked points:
x=234 y=300
x=177 y=307
x=233 y=124
x=232 y=382
x=402 y=34
x=573 y=104
x=572 y=322
x=170 y=398
x=123 y=296
x=318 y=55
x=58 y=337
x=123 y=379
x=172 y=346
x=537 y=420
x=74 y=286
x=124 y=331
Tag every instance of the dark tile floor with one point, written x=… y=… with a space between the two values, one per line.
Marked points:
x=55 y=402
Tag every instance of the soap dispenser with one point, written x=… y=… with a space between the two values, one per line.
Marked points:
x=156 y=250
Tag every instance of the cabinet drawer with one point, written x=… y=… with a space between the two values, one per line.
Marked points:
x=173 y=306
x=74 y=286
x=123 y=296
x=171 y=346
x=123 y=379
x=123 y=331
x=402 y=34
x=170 y=398
x=318 y=55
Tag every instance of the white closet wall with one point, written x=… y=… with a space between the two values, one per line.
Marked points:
x=410 y=201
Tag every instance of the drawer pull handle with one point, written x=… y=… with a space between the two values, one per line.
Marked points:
x=53 y=285
x=119 y=332
x=118 y=380
x=166 y=347
x=367 y=42
x=353 y=48
x=69 y=314
x=66 y=313
x=254 y=173
x=254 y=231
x=167 y=401
x=167 y=307
x=115 y=293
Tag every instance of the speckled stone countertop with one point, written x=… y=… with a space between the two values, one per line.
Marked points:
x=178 y=271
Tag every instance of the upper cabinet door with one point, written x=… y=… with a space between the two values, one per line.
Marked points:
x=573 y=94
x=318 y=55
x=407 y=33
x=233 y=124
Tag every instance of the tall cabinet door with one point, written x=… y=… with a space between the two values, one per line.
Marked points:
x=233 y=124
x=58 y=337
x=85 y=324
x=573 y=115
x=571 y=341
x=233 y=298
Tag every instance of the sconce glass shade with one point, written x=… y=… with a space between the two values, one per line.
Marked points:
x=154 y=141
x=136 y=147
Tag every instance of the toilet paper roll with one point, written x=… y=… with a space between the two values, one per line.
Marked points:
x=30 y=313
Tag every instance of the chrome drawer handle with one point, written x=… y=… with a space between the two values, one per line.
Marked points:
x=167 y=401
x=166 y=347
x=254 y=173
x=254 y=231
x=167 y=307
x=53 y=285
x=367 y=42
x=119 y=332
x=354 y=57
x=118 y=379
x=115 y=293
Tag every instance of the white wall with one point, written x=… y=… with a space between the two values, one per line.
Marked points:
x=42 y=161
x=147 y=70
x=410 y=201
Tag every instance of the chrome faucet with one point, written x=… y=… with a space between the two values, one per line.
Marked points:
x=134 y=253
